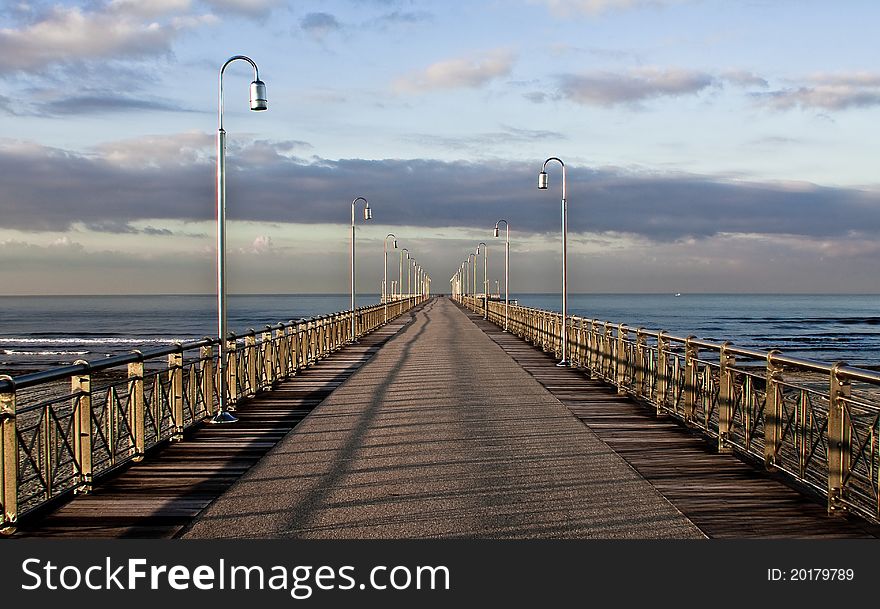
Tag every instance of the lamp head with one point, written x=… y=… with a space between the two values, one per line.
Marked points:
x=395 y=244
x=496 y=231
x=258 y=96
x=368 y=213
x=542 y=180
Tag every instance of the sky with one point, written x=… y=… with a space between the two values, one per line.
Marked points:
x=709 y=145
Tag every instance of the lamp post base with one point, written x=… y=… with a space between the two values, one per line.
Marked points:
x=224 y=416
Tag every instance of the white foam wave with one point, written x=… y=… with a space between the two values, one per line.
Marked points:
x=88 y=341
x=14 y=352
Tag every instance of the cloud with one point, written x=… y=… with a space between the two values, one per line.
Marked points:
x=46 y=189
x=103 y=103
x=247 y=8
x=404 y=18
x=477 y=142
x=829 y=92
x=320 y=24
x=473 y=72
x=593 y=8
x=261 y=245
x=121 y=29
x=744 y=78
x=638 y=85
x=180 y=149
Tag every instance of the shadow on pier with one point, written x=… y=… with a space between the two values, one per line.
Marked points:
x=438 y=425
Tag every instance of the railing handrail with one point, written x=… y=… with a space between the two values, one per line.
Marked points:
x=826 y=438
x=776 y=356
x=58 y=373
x=56 y=442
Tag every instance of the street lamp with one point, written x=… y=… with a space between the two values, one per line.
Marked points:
x=485 y=278
x=409 y=274
x=385 y=272
x=258 y=103
x=400 y=272
x=368 y=215
x=543 y=181
x=475 y=273
x=506 y=270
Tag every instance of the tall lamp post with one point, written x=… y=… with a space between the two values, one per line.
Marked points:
x=543 y=181
x=385 y=272
x=409 y=276
x=485 y=277
x=257 y=103
x=474 y=293
x=400 y=272
x=368 y=215
x=506 y=270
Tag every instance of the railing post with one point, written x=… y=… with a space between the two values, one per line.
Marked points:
x=296 y=346
x=175 y=381
x=691 y=374
x=726 y=398
x=607 y=356
x=268 y=358
x=315 y=329
x=581 y=342
x=622 y=333
x=662 y=372
x=839 y=440
x=231 y=372
x=773 y=424
x=8 y=462
x=136 y=413
x=206 y=363
x=641 y=362
x=81 y=389
x=250 y=349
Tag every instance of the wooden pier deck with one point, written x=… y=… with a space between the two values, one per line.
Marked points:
x=161 y=495
x=439 y=425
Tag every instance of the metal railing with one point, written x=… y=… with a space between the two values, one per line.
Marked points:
x=816 y=422
x=60 y=428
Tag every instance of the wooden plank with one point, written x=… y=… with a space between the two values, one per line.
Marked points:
x=723 y=495
x=160 y=496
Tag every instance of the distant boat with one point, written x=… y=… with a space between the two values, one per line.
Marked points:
x=678 y=294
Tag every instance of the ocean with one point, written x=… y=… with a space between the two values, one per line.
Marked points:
x=38 y=332
x=825 y=327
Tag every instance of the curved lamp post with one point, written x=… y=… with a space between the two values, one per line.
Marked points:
x=400 y=273
x=474 y=293
x=368 y=215
x=542 y=185
x=385 y=272
x=485 y=277
x=506 y=270
x=258 y=103
x=409 y=274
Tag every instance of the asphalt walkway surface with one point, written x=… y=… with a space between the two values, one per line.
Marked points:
x=441 y=435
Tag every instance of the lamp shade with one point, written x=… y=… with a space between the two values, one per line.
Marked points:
x=542 y=180
x=258 y=96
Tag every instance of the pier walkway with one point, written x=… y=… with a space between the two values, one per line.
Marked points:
x=440 y=425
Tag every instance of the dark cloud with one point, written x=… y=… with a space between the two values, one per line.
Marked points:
x=246 y=8
x=822 y=98
x=104 y=103
x=506 y=136
x=611 y=88
x=405 y=18
x=320 y=24
x=841 y=91
x=48 y=189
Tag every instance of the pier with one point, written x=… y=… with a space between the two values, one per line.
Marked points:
x=437 y=423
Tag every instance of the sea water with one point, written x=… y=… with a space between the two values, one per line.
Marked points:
x=38 y=332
